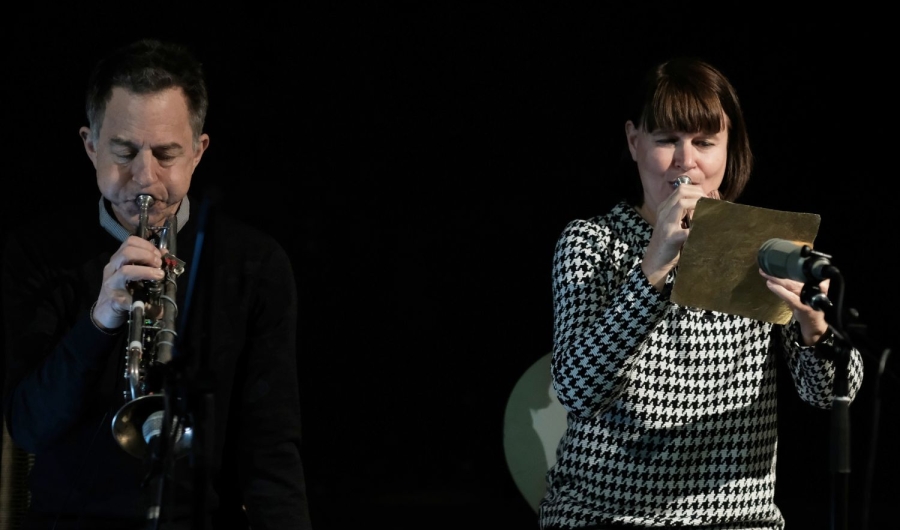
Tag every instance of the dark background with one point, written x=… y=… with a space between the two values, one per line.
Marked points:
x=418 y=162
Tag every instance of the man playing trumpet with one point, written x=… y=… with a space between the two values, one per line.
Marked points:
x=232 y=380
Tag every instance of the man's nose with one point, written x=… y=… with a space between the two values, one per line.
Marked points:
x=143 y=168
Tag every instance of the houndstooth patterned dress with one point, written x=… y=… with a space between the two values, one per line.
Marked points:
x=671 y=411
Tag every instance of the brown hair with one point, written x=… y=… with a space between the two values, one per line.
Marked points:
x=148 y=66
x=689 y=94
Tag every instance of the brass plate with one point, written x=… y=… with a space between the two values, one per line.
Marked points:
x=718 y=268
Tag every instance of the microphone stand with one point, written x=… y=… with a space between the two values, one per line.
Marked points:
x=781 y=259
x=188 y=405
x=840 y=436
x=839 y=352
x=200 y=394
x=161 y=374
x=854 y=335
x=161 y=450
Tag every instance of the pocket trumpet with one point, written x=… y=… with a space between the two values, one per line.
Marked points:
x=150 y=344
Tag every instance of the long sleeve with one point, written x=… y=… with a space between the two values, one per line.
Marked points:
x=272 y=474
x=813 y=373
x=604 y=308
x=54 y=364
x=242 y=332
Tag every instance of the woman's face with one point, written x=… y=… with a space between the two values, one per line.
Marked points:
x=662 y=156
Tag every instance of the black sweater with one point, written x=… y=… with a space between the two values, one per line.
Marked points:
x=65 y=381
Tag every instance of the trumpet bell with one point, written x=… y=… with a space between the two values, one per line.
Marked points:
x=140 y=421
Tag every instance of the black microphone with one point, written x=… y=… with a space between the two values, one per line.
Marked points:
x=794 y=261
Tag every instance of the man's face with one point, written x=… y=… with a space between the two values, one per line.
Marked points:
x=145 y=146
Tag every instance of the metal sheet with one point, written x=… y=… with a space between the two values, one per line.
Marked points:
x=718 y=268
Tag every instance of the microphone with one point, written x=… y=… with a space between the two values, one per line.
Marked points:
x=794 y=261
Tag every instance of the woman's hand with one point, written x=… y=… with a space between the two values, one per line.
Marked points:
x=670 y=231
x=812 y=321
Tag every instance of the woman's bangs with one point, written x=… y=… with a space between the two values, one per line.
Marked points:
x=678 y=110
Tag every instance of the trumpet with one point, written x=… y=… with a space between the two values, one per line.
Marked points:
x=150 y=346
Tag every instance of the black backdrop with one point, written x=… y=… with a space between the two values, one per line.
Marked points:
x=418 y=161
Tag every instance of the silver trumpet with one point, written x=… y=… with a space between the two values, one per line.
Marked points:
x=151 y=339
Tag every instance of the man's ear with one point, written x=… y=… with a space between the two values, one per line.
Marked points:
x=89 y=147
x=202 y=145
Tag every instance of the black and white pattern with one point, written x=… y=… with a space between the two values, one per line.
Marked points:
x=671 y=411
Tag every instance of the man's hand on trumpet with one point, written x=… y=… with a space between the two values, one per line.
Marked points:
x=136 y=260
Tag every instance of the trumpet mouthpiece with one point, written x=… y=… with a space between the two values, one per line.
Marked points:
x=144 y=201
x=682 y=179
